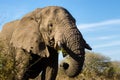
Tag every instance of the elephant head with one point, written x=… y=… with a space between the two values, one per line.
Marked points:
x=51 y=26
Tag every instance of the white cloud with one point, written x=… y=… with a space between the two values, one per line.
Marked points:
x=107 y=37
x=99 y=24
x=113 y=43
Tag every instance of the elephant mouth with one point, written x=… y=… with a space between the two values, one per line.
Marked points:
x=59 y=47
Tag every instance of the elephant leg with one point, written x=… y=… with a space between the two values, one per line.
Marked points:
x=35 y=66
x=50 y=72
x=22 y=60
x=51 y=69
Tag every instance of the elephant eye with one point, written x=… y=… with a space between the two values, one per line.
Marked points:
x=50 y=26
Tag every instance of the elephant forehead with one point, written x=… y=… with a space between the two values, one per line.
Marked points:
x=54 y=10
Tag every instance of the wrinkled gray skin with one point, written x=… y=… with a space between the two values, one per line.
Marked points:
x=36 y=38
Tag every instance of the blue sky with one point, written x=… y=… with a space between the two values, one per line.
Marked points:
x=98 y=20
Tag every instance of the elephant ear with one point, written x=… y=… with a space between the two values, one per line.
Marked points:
x=87 y=46
x=28 y=37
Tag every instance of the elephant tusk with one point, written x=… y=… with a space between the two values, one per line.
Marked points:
x=58 y=46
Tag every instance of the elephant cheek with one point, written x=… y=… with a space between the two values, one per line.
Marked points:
x=71 y=67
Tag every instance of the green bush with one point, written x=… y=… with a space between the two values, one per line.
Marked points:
x=6 y=62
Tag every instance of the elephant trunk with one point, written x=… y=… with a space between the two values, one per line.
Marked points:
x=75 y=46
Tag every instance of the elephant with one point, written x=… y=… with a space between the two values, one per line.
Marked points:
x=38 y=36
